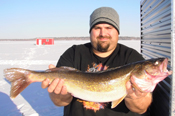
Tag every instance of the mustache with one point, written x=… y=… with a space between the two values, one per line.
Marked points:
x=100 y=37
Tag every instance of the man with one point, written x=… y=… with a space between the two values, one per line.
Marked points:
x=103 y=52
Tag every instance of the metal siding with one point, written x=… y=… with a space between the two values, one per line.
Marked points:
x=172 y=101
x=156 y=41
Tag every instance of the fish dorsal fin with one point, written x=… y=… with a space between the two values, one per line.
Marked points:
x=62 y=68
x=111 y=69
x=52 y=70
x=68 y=68
x=116 y=102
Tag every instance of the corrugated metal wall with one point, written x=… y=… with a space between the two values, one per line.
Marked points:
x=172 y=101
x=156 y=41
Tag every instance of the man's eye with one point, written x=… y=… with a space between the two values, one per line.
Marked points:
x=108 y=27
x=96 y=27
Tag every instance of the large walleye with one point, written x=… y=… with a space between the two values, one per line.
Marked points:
x=104 y=86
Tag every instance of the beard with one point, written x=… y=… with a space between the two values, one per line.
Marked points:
x=103 y=46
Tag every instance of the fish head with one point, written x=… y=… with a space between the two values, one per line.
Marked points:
x=156 y=67
x=149 y=73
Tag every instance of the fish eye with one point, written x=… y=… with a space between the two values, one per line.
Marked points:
x=156 y=63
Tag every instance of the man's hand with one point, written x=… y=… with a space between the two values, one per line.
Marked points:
x=137 y=101
x=58 y=91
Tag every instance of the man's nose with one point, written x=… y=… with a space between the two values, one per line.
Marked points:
x=102 y=32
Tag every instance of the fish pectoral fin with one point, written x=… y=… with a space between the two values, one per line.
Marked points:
x=116 y=102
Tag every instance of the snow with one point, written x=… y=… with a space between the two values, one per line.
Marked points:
x=34 y=101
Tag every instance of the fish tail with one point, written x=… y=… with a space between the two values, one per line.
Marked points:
x=19 y=79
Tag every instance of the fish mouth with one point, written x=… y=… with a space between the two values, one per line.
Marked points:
x=163 y=66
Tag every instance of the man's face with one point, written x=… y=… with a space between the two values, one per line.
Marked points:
x=104 y=37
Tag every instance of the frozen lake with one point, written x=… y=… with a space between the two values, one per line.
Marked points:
x=34 y=101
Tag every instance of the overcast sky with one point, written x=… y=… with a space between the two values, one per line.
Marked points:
x=20 y=19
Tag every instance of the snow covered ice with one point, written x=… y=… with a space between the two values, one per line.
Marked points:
x=34 y=101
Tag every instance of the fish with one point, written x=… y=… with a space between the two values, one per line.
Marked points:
x=103 y=86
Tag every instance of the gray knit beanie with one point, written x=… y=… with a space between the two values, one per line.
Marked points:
x=105 y=15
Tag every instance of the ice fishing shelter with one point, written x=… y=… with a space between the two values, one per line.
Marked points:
x=44 y=41
x=158 y=40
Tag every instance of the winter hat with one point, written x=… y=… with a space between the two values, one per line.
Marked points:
x=105 y=15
